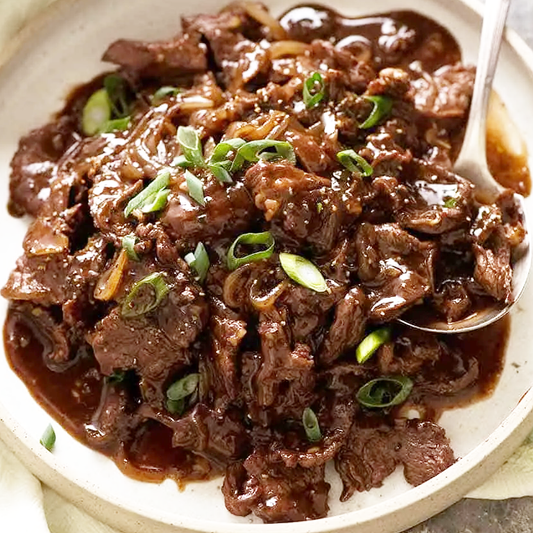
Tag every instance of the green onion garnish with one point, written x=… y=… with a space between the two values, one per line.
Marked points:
x=319 y=207
x=199 y=261
x=49 y=438
x=96 y=113
x=253 y=151
x=163 y=92
x=118 y=376
x=314 y=90
x=311 y=426
x=223 y=149
x=195 y=187
x=385 y=391
x=264 y=238
x=118 y=124
x=145 y=295
x=450 y=202
x=191 y=146
x=183 y=387
x=221 y=171
x=148 y=196
x=128 y=243
x=303 y=272
x=371 y=343
x=175 y=407
x=156 y=202
x=116 y=87
x=351 y=160
x=382 y=108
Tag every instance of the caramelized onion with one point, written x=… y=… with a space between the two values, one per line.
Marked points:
x=272 y=127
x=195 y=103
x=234 y=286
x=264 y=301
x=110 y=280
x=287 y=48
x=258 y=12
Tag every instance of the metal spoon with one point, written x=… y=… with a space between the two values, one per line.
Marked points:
x=472 y=164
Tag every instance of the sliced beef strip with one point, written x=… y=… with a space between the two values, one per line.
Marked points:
x=396 y=269
x=34 y=165
x=347 y=328
x=438 y=201
x=372 y=454
x=290 y=200
x=274 y=492
x=184 y=54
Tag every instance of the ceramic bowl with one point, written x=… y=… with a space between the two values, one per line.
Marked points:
x=62 y=49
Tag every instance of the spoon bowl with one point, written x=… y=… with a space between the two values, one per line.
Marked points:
x=472 y=165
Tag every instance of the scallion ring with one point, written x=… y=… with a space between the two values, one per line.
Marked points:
x=183 y=387
x=314 y=90
x=163 y=92
x=371 y=343
x=302 y=271
x=116 y=88
x=224 y=148
x=199 y=261
x=48 y=438
x=175 y=407
x=382 y=108
x=148 y=194
x=450 y=202
x=195 y=187
x=128 y=243
x=265 y=238
x=96 y=112
x=191 y=146
x=254 y=151
x=221 y=171
x=351 y=160
x=385 y=392
x=117 y=124
x=156 y=202
x=311 y=426
x=145 y=295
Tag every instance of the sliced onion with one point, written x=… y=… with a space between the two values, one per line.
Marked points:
x=109 y=281
x=259 y=13
x=287 y=48
x=267 y=300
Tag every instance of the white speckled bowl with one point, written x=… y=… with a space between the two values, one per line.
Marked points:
x=63 y=49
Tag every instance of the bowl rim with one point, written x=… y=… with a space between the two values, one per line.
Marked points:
x=436 y=494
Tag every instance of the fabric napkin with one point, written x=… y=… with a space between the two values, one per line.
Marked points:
x=26 y=505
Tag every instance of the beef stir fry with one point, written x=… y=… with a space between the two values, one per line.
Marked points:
x=225 y=229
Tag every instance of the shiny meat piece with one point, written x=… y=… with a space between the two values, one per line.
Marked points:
x=372 y=454
x=34 y=164
x=290 y=199
x=438 y=201
x=445 y=93
x=493 y=269
x=396 y=269
x=181 y=55
x=391 y=82
x=347 y=328
x=274 y=492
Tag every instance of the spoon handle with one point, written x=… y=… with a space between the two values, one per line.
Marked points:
x=473 y=151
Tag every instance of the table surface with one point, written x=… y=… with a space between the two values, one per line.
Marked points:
x=489 y=516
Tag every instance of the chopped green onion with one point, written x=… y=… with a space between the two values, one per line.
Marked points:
x=199 y=261
x=118 y=376
x=182 y=161
x=351 y=160
x=303 y=272
x=223 y=149
x=264 y=238
x=96 y=113
x=145 y=295
x=156 y=202
x=385 y=391
x=163 y=92
x=183 y=387
x=128 y=243
x=253 y=151
x=371 y=343
x=191 y=146
x=116 y=87
x=195 y=187
x=450 y=202
x=382 y=108
x=311 y=426
x=118 y=124
x=175 y=407
x=319 y=207
x=314 y=90
x=221 y=171
x=49 y=438
x=148 y=194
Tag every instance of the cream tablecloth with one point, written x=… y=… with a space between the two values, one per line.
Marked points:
x=27 y=506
